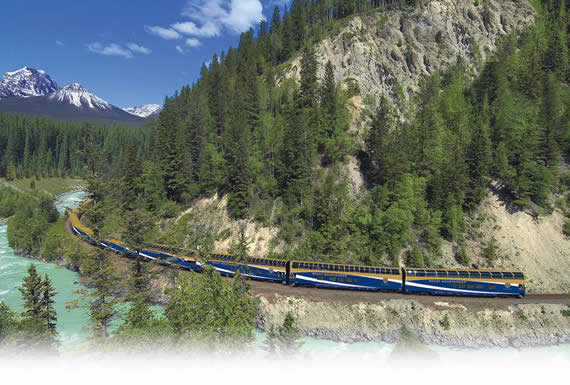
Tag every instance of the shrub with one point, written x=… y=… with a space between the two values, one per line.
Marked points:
x=566 y=228
x=445 y=322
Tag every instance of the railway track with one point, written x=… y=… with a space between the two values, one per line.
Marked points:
x=272 y=291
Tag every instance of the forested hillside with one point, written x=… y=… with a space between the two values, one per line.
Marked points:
x=275 y=147
x=34 y=147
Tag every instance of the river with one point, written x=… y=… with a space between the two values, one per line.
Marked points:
x=73 y=324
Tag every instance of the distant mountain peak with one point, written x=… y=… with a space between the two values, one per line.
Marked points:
x=79 y=96
x=145 y=110
x=26 y=82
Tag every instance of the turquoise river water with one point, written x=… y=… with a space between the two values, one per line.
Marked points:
x=73 y=324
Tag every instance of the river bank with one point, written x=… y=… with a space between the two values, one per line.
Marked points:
x=359 y=317
x=443 y=323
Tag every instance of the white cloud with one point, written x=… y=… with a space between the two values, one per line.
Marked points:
x=109 y=50
x=180 y=49
x=165 y=33
x=208 y=29
x=139 y=49
x=59 y=43
x=214 y=15
x=193 y=42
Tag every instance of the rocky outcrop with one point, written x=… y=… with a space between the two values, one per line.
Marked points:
x=390 y=52
x=519 y=325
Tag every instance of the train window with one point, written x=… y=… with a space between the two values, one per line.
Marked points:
x=295 y=265
x=335 y=267
x=341 y=268
x=519 y=275
x=411 y=273
x=351 y=269
x=464 y=274
x=348 y=279
x=508 y=275
x=320 y=266
x=420 y=273
x=383 y=271
x=325 y=266
x=485 y=274
x=361 y=269
x=471 y=286
x=442 y=273
x=496 y=274
x=367 y=270
x=492 y=287
x=478 y=286
x=341 y=279
x=430 y=273
x=474 y=274
x=452 y=274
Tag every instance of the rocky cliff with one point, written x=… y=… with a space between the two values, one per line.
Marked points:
x=390 y=52
x=441 y=323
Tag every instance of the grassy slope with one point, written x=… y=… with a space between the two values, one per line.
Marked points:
x=55 y=186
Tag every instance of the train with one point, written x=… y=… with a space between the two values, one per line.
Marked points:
x=407 y=280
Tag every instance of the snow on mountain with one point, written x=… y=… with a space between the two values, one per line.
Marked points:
x=145 y=110
x=26 y=82
x=78 y=96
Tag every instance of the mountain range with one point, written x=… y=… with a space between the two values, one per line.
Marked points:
x=33 y=92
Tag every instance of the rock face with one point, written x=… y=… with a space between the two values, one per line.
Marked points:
x=520 y=325
x=389 y=52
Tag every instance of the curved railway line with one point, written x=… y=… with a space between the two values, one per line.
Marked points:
x=269 y=289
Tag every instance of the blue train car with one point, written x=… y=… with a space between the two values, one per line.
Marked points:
x=262 y=269
x=166 y=256
x=490 y=283
x=115 y=245
x=338 y=276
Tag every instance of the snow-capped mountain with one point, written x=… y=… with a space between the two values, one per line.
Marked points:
x=26 y=82
x=145 y=110
x=78 y=96
x=33 y=93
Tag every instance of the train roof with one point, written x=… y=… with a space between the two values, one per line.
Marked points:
x=346 y=264
x=479 y=270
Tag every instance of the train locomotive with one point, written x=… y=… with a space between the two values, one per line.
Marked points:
x=462 y=282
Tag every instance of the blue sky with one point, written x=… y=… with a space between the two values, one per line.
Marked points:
x=128 y=52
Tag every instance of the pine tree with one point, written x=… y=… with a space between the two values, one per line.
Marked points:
x=378 y=143
x=131 y=175
x=328 y=96
x=102 y=309
x=31 y=291
x=308 y=88
x=137 y=225
x=49 y=314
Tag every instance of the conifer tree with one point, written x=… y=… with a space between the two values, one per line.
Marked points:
x=378 y=144
x=49 y=315
x=308 y=88
x=31 y=291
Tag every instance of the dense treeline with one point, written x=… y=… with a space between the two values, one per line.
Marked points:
x=276 y=149
x=33 y=221
x=42 y=147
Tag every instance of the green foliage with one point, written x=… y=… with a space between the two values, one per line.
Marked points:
x=414 y=257
x=283 y=340
x=210 y=312
x=566 y=228
x=444 y=323
x=565 y=313
x=490 y=252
